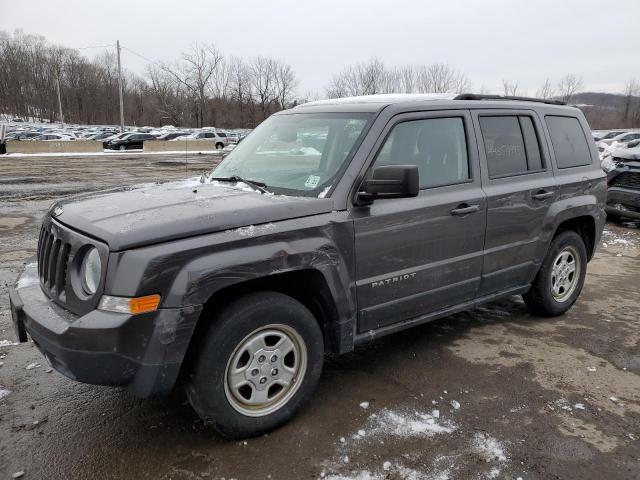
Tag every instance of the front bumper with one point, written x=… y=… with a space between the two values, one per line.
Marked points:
x=623 y=202
x=143 y=353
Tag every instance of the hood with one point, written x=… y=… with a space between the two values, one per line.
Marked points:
x=153 y=213
x=627 y=153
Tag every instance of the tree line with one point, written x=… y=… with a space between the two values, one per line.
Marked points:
x=203 y=87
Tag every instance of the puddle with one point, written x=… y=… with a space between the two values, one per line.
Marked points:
x=9 y=223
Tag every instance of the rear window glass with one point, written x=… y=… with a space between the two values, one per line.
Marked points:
x=511 y=145
x=569 y=143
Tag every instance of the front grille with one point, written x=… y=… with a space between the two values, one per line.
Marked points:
x=629 y=180
x=53 y=262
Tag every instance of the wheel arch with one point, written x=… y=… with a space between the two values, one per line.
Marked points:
x=308 y=286
x=585 y=226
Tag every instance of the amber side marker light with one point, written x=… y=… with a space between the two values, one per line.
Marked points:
x=133 y=306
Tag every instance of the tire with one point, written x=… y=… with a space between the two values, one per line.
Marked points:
x=261 y=320
x=123 y=147
x=542 y=299
x=219 y=146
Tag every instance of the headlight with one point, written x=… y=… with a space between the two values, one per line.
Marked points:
x=609 y=164
x=90 y=271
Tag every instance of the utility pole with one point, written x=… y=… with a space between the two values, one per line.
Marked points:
x=120 y=88
x=59 y=101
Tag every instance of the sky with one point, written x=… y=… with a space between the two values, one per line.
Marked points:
x=488 y=40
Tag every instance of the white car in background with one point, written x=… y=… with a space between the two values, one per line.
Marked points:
x=53 y=137
x=618 y=140
x=220 y=140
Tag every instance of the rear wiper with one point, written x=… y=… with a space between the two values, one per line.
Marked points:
x=262 y=187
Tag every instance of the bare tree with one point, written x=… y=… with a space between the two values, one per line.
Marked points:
x=510 y=89
x=286 y=83
x=441 y=78
x=195 y=72
x=263 y=81
x=169 y=95
x=568 y=86
x=408 y=79
x=546 y=90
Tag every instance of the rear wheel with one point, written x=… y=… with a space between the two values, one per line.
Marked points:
x=259 y=361
x=123 y=147
x=560 y=278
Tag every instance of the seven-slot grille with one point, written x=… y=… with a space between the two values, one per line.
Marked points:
x=627 y=180
x=53 y=257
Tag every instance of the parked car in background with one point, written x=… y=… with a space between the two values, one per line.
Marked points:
x=623 y=180
x=413 y=208
x=172 y=135
x=614 y=138
x=129 y=142
x=98 y=136
x=607 y=134
x=115 y=136
x=23 y=136
x=219 y=141
x=623 y=140
x=53 y=137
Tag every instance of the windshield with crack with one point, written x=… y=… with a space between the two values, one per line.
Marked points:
x=298 y=154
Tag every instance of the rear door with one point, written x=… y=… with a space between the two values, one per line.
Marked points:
x=419 y=255
x=518 y=180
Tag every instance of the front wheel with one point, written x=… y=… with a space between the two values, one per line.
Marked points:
x=560 y=278
x=259 y=361
x=123 y=147
x=219 y=146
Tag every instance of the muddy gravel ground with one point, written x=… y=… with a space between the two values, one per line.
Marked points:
x=490 y=393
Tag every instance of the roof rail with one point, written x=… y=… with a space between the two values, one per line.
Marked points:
x=475 y=96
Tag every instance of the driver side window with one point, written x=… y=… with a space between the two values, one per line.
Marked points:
x=437 y=146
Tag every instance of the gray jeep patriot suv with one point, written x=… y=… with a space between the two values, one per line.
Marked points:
x=332 y=224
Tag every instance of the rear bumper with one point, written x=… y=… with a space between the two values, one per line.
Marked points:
x=623 y=202
x=143 y=353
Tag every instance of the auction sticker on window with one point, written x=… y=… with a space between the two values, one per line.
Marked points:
x=312 y=181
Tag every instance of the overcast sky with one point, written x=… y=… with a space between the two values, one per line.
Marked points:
x=488 y=40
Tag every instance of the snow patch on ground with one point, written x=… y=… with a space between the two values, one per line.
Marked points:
x=362 y=475
x=618 y=239
x=4 y=392
x=29 y=276
x=7 y=343
x=488 y=448
x=407 y=424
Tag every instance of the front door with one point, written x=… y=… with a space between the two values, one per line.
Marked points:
x=419 y=255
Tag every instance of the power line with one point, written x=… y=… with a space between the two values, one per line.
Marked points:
x=94 y=46
x=141 y=56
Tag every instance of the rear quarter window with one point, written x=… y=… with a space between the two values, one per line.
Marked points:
x=569 y=142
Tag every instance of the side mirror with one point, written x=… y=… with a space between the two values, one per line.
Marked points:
x=390 y=181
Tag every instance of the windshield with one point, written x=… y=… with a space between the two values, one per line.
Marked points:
x=301 y=154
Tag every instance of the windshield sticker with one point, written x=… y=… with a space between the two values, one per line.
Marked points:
x=312 y=181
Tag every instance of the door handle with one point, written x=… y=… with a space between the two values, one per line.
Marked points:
x=541 y=195
x=464 y=209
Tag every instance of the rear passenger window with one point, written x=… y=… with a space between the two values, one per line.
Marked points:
x=511 y=145
x=569 y=143
x=437 y=146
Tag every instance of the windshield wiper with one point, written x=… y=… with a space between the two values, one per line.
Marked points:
x=260 y=186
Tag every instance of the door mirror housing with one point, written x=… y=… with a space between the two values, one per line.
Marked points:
x=390 y=181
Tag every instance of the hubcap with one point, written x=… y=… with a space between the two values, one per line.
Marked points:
x=565 y=274
x=265 y=370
